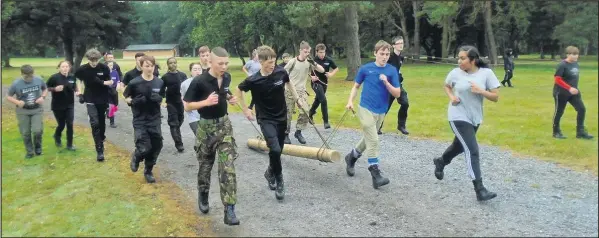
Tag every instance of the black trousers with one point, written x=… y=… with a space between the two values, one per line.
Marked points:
x=64 y=118
x=561 y=100
x=321 y=99
x=402 y=114
x=97 y=121
x=464 y=141
x=175 y=120
x=148 y=143
x=508 y=78
x=274 y=134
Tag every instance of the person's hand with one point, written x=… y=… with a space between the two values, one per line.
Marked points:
x=163 y=104
x=20 y=104
x=108 y=82
x=212 y=99
x=39 y=100
x=327 y=74
x=314 y=78
x=233 y=100
x=311 y=61
x=59 y=88
x=77 y=93
x=573 y=91
x=350 y=106
x=128 y=100
x=475 y=89
x=455 y=100
x=248 y=114
x=383 y=77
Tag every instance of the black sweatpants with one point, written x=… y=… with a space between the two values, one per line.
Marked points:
x=175 y=120
x=508 y=78
x=561 y=100
x=274 y=134
x=402 y=114
x=464 y=141
x=321 y=99
x=64 y=117
x=148 y=143
x=97 y=121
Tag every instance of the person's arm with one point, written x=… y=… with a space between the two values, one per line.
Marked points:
x=244 y=86
x=51 y=84
x=448 y=87
x=118 y=70
x=79 y=75
x=11 y=96
x=393 y=86
x=335 y=69
x=192 y=92
x=106 y=79
x=315 y=66
x=354 y=90
x=244 y=68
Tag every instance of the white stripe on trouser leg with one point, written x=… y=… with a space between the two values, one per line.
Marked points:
x=466 y=150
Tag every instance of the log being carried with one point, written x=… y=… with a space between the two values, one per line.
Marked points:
x=321 y=154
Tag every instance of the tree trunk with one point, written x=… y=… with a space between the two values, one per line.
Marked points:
x=445 y=38
x=79 y=54
x=236 y=46
x=6 y=60
x=489 y=31
x=586 y=49
x=542 y=51
x=67 y=47
x=416 y=5
x=403 y=25
x=353 y=41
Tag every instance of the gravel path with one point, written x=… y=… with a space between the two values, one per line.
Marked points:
x=534 y=198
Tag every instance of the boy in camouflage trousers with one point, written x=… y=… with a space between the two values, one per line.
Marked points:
x=208 y=94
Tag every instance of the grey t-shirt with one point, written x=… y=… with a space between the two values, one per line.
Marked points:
x=193 y=115
x=470 y=108
x=252 y=67
x=28 y=92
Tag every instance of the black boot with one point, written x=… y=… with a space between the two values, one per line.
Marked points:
x=327 y=125
x=148 y=174
x=270 y=178
x=28 y=146
x=481 y=192
x=439 y=166
x=134 y=162
x=112 y=122
x=37 y=143
x=287 y=140
x=298 y=135
x=377 y=179
x=100 y=151
x=280 y=192
x=203 y=201
x=402 y=128
x=179 y=140
x=230 y=217
x=557 y=133
x=57 y=141
x=581 y=133
x=350 y=162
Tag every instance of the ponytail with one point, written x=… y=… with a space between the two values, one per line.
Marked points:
x=481 y=63
x=474 y=55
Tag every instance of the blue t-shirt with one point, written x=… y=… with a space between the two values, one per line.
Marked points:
x=375 y=96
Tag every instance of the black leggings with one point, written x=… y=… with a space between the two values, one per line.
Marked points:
x=64 y=117
x=508 y=78
x=464 y=141
x=274 y=134
x=561 y=100
x=321 y=99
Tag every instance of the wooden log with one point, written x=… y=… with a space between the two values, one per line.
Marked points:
x=324 y=155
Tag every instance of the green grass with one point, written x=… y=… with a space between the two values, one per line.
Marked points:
x=64 y=193
x=521 y=120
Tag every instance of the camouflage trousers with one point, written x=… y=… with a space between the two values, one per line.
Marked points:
x=302 y=119
x=214 y=140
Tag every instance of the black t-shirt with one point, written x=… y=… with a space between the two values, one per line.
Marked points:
x=283 y=64
x=149 y=112
x=397 y=62
x=568 y=72
x=172 y=86
x=202 y=86
x=268 y=93
x=65 y=98
x=327 y=63
x=130 y=75
x=93 y=79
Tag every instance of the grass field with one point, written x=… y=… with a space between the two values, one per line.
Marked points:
x=521 y=120
x=64 y=193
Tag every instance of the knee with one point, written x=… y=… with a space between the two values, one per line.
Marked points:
x=474 y=152
x=581 y=109
x=275 y=149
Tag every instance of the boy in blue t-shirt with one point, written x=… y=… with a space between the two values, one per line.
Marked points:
x=380 y=80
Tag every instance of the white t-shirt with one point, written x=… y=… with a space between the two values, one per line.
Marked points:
x=193 y=115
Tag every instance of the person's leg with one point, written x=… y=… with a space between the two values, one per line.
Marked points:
x=509 y=78
x=372 y=151
x=325 y=107
x=505 y=78
x=560 y=105
x=70 y=117
x=316 y=103
x=25 y=130
x=37 y=129
x=173 y=123
x=94 y=121
x=205 y=156
x=454 y=149
x=402 y=114
x=290 y=109
x=60 y=116
x=269 y=130
x=466 y=134
x=142 y=146
x=155 y=136
x=302 y=119
x=226 y=153
x=578 y=104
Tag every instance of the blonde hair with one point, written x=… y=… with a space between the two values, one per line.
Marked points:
x=572 y=50
x=382 y=45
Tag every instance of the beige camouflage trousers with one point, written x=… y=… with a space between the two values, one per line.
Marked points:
x=302 y=120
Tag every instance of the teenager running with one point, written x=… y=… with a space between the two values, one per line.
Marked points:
x=320 y=86
x=396 y=59
x=174 y=105
x=192 y=116
x=380 y=80
x=28 y=94
x=252 y=66
x=63 y=87
x=134 y=73
x=96 y=79
x=204 y=54
x=566 y=91
x=467 y=86
x=268 y=91
x=114 y=103
x=508 y=66
x=286 y=57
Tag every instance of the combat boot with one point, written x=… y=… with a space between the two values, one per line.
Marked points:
x=134 y=162
x=203 y=201
x=377 y=179
x=270 y=178
x=287 y=140
x=481 y=192
x=230 y=217
x=327 y=125
x=350 y=162
x=298 y=135
x=176 y=134
x=57 y=141
x=100 y=152
x=439 y=166
x=148 y=174
x=280 y=192
x=581 y=133
x=557 y=133
x=37 y=142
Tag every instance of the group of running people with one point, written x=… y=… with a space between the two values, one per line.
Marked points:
x=276 y=92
